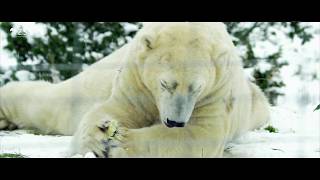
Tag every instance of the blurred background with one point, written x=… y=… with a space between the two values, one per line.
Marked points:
x=283 y=58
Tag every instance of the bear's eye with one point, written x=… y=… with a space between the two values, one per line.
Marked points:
x=193 y=90
x=165 y=86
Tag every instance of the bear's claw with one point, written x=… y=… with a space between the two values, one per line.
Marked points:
x=111 y=139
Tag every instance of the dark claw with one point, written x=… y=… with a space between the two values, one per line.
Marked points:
x=114 y=134
x=106 y=154
x=95 y=154
x=107 y=148
x=103 y=128
x=105 y=143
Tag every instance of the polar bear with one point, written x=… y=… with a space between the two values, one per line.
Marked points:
x=176 y=90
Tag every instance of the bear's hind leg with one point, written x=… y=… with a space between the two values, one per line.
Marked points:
x=5 y=124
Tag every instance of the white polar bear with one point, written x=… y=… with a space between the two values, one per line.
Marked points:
x=176 y=90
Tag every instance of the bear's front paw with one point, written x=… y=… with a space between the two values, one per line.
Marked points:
x=112 y=141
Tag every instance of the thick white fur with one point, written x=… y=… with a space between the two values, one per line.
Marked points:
x=116 y=108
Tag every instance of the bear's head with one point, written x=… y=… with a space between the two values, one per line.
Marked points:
x=177 y=63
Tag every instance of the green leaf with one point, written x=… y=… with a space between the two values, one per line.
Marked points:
x=271 y=129
x=317 y=108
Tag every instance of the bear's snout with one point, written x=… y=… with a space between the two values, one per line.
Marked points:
x=170 y=124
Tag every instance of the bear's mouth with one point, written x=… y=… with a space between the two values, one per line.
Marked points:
x=171 y=124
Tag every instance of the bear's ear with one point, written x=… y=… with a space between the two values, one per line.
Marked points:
x=147 y=42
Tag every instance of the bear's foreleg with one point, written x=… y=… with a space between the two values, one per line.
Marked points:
x=160 y=141
x=107 y=134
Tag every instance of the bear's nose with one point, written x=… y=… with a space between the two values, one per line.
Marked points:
x=171 y=124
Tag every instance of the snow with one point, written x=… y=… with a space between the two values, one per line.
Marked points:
x=264 y=66
x=34 y=146
x=24 y=75
x=297 y=137
x=129 y=27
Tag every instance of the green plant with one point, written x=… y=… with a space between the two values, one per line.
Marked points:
x=271 y=129
x=70 y=46
x=12 y=155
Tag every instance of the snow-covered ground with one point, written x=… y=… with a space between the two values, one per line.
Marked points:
x=297 y=124
x=297 y=137
x=34 y=146
x=292 y=140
